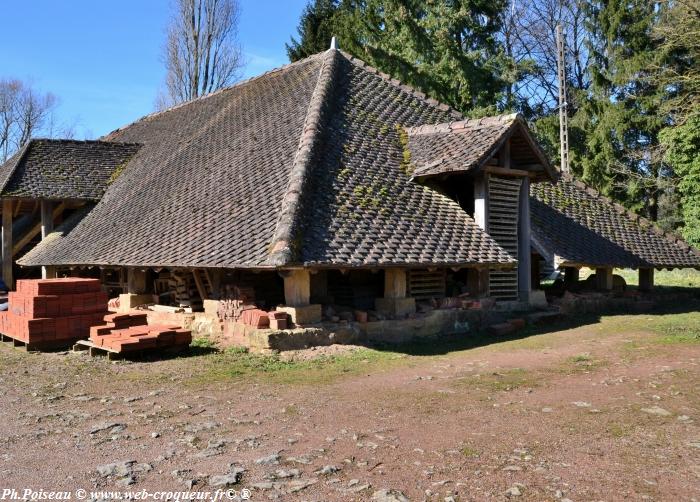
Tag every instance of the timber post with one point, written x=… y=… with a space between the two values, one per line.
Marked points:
x=604 y=278
x=7 y=243
x=524 y=254
x=646 y=279
x=47 y=272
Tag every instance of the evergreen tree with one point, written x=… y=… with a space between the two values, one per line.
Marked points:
x=622 y=118
x=317 y=26
x=679 y=72
x=447 y=48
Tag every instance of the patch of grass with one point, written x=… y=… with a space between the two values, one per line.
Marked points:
x=581 y=358
x=581 y=363
x=685 y=278
x=501 y=381
x=236 y=364
x=678 y=328
x=203 y=342
x=469 y=452
x=619 y=430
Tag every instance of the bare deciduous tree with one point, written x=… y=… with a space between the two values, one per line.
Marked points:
x=202 y=53
x=529 y=30
x=24 y=112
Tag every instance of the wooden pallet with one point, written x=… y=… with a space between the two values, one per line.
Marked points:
x=113 y=355
x=37 y=346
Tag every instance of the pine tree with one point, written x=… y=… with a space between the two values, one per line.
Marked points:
x=622 y=118
x=317 y=26
x=447 y=48
x=678 y=71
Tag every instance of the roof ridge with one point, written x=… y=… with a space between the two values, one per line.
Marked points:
x=83 y=141
x=466 y=124
x=17 y=157
x=282 y=244
x=400 y=85
x=231 y=87
x=593 y=192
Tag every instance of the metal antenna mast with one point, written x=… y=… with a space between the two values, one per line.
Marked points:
x=563 y=116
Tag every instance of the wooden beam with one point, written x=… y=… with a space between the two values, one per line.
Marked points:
x=504 y=171
x=395 y=283
x=47 y=272
x=297 y=288
x=478 y=282
x=34 y=231
x=524 y=255
x=7 y=261
x=531 y=167
x=646 y=279
x=571 y=275
x=604 y=278
x=319 y=286
x=481 y=202
x=504 y=155
x=136 y=281
x=215 y=276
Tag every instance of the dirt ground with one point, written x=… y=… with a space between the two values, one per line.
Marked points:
x=608 y=410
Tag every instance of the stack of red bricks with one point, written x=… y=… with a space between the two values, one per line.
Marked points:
x=53 y=312
x=263 y=320
x=131 y=332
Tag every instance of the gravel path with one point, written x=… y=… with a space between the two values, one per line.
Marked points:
x=580 y=415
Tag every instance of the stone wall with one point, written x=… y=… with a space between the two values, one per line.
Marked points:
x=423 y=326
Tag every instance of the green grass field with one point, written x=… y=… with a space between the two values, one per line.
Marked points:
x=686 y=278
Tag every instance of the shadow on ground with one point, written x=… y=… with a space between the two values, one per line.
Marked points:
x=452 y=343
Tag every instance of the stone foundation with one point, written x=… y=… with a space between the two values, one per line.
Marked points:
x=303 y=316
x=594 y=303
x=422 y=326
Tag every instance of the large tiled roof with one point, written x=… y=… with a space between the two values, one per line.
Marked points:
x=362 y=208
x=578 y=226
x=64 y=169
x=466 y=145
x=302 y=165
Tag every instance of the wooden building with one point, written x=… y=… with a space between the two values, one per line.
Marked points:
x=322 y=182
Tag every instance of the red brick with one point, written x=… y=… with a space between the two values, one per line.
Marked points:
x=360 y=316
x=183 y=337
x=256 y=317
x=166 y=338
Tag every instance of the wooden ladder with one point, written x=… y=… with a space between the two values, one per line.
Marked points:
x=203 y=282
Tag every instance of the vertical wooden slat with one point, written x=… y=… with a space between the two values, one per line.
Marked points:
x=646 y=279
x=47 y=272
x=503 y=216
x=297 y=288
x=524 y=255
x=395 y=283
x=7 y=243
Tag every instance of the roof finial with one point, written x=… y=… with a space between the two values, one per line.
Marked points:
x=334 y=43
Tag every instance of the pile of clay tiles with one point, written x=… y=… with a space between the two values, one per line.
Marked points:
x=131 y=333
x=48 y=313
x=263 y=320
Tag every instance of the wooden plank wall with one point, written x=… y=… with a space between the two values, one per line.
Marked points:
x=425 y=284
x=504 y=200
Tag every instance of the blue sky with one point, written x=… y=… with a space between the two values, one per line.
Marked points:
x=102 y=59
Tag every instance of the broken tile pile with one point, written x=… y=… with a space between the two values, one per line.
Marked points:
x=53 y=312
x=131 y=332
